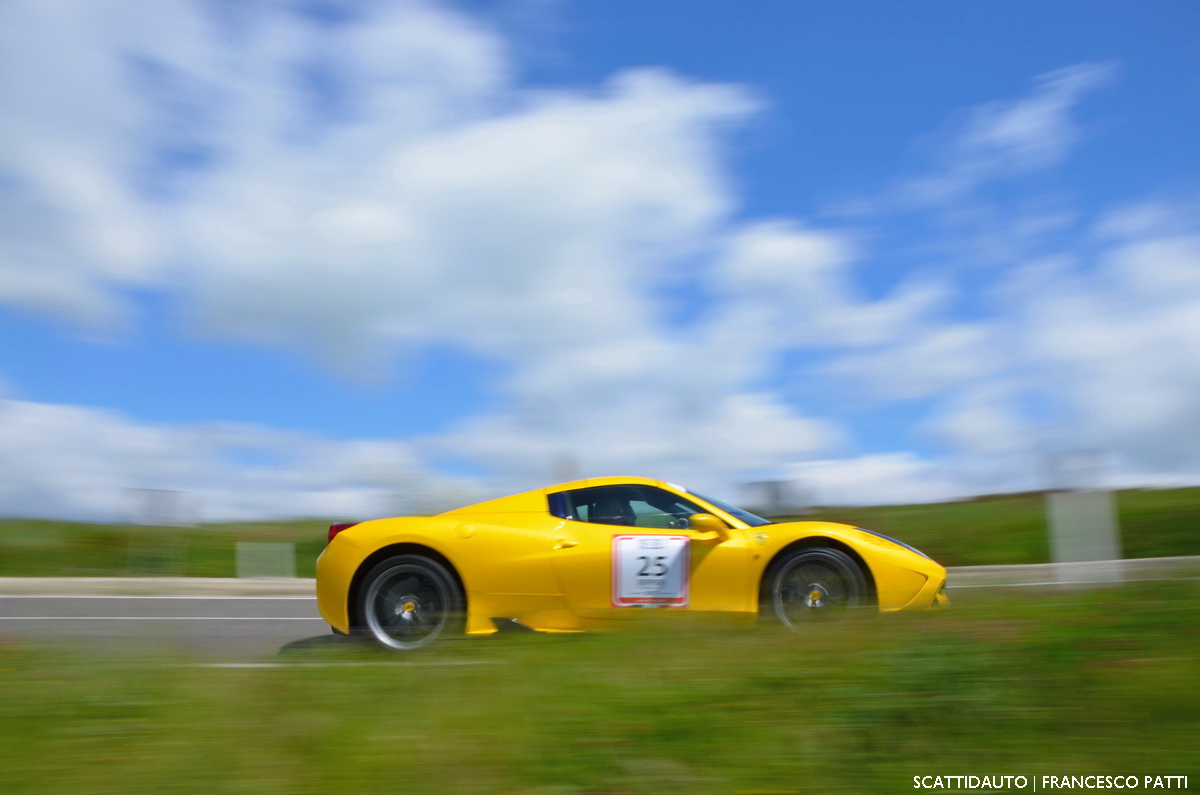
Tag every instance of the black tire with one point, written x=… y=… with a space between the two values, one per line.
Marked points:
x=813 y=584
x=409 y=601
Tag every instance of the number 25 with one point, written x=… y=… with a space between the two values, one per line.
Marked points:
x=653 y=567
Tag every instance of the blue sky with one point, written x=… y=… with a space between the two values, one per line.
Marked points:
x=320 y=258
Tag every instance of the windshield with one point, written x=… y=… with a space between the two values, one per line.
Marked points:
x=745 y=516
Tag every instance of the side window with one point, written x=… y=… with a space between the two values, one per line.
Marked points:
x=624 y=506
x=657 y=508
x=648 y=515
x=605 y=505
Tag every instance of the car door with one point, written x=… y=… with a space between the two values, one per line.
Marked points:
x=625 y=548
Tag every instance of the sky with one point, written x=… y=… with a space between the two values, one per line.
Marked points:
x=322 y=258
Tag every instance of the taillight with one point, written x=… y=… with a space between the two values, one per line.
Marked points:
x=338 y=527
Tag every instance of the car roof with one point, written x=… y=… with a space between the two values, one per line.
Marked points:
x=611 y=480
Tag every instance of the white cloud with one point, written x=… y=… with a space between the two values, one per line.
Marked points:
x=678 y=424
x=788 y=287
x=344 y=188
x=1005 y=139
x=74 y=232
x=486 y=234
x=984 y=421
x=1097 y=348
x=110 y=110
x=76 y=462
x=537 y=238
x=1034 y=132
x=881 y=479
x=1118 y=342
x=926 y=361
x=69 y=461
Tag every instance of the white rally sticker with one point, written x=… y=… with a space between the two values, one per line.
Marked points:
x=650 y=571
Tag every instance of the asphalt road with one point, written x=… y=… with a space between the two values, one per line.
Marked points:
x=227 y=621
x=216 y=627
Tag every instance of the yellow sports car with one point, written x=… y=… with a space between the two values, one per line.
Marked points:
x=592 y=553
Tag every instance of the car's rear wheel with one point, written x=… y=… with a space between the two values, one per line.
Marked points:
x=408 y=601
x=812 y=584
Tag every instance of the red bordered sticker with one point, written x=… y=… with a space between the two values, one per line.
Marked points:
x=650 y=571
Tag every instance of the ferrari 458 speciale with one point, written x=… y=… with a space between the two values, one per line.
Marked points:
x=593 y=553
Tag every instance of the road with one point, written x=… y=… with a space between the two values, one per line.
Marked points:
x=244 y=620
x=217 y=627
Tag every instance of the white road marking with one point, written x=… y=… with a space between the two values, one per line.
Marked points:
x=411 y=664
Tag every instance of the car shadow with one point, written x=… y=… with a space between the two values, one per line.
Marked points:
x=327 y=643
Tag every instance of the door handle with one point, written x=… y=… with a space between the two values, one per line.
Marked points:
x=566 y=543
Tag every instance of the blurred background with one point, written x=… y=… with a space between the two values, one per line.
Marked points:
x=321 y=258
x=931 y=268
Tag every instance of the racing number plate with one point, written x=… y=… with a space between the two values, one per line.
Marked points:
x=650 y=571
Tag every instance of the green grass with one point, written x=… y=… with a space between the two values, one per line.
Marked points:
x=993 y=530
x=1099 y=682
x=35 y=548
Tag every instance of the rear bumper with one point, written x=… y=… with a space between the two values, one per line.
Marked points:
x=335 y=571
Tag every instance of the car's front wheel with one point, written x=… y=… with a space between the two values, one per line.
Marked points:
x=408 y=601
x=811 y=584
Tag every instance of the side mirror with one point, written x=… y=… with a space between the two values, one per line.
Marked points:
x=707 y=529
